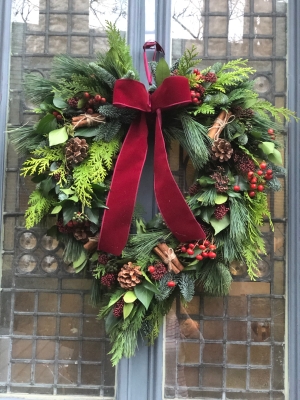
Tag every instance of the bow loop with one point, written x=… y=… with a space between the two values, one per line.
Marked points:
x=132 y=94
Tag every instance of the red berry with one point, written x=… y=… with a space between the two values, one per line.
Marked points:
x=259 y=172
x=151 y=269
x=269 y=171
x=212 y=255
x=59 y=117
x=183 y=249
x=196 y=71
x=103 y=100
x=251 y=194
x=195 y=100
x=260 y=188
x=253 y=186
x=269 y=177
x=253 y=180
x=55 y=113
x=171 y=284
x=270 y=131
x=190 y=251
x=263 y=165
x=199 y=257
x=86 y=95
x=89 y=111
x=91 y=102
x=202 y=247
x=98 y=97
x=204 y=254
x=70 y=223
x=206 y=243
x=212 y=247
x=191 y=246
x=236 y=188
x=250 y=174
x=193 y=93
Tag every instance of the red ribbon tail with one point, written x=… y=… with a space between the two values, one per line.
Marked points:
x=122 y=195
x=171 y=203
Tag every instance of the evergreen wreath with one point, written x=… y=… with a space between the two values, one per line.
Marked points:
x=230 y=136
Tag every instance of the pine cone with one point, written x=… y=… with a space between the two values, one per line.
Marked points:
x=129 y=276
x=222 y=150
x=76 y=150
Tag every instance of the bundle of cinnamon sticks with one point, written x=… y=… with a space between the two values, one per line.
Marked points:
x=86 y=120
x=168 y=257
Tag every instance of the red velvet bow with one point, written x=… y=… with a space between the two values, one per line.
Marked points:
x=121 y=198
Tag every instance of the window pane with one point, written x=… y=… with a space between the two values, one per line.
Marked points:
x=50 y=340
x=233 y=347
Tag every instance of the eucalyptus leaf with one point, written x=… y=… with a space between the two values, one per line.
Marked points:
x=162 y=71
x=58 y=136
x=130 y=297
x=221 y=198
x=56 y=210
x=80 y=260
x=144 y=295
x=267 y=147
x=220 y=224
x=275 y=157
x=128 y=307
x=47 y=124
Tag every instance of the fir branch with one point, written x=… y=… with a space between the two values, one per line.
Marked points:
x=187 y=61
x=123 y=115
x=264 y=108
x=37 y=89
x=103 y=76
x=215 y=278
x=186 y=285
x=38 y=208
x=204 y=109
x=239 y=217
x=42 y=160
x=108 y=131
x=208 y=197
x=164 y=290
x=25 y=139
x=197 y=141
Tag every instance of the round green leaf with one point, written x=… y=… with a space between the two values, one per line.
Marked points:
x=267 y=147
x=46 y=124
x=59 y=102
x=220 y=224
x=221 y=198
x=129 y=297
x=58 y=136
x=275 y=157
x=144 y=295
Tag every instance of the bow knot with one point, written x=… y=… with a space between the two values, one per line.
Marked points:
x=117 y=218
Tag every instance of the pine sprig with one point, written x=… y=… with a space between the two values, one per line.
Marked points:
x=25 y=139
x=38 y=207
x=204 y=109
x=216 y=279
x=186 y=285
x=265 y=108
x=187 y=61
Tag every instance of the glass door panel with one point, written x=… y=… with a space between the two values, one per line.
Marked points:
x=50 y=340
x=233 y=347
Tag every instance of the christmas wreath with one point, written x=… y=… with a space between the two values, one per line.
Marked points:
x=86 y=153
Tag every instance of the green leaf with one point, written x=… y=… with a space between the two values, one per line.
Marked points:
x=73 y=198
x=267 y=147
x=205 y=180
x=231 y=193
x=59 y=102
x=81 y=103
x=241 y=182
x=128 y=307
x=130 y=297
x=162 y=71
x=87 y=132
x=110 y=322
x=67 y=191
x=150 y=287
x=92 y=214
x=80 y=260
x=46 y=124
x=220 y=224
x=58 y=136
x=47 y=185
x=221 y=198
x=38 y=178
x=146 y=277
x=144 y=295
x=80 y=268
x=275 y=157
x=206 y=213
x=113 y=300
x=255 y=134
x=69 y=211
x=56 y=209
x=249 y=103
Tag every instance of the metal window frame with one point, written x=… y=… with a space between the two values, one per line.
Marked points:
x=293 y=242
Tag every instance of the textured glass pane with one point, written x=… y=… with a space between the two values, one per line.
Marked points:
x=50 y=340
x=233 y=347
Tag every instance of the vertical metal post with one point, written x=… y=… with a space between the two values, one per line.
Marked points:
x=5 y=33
x=293 y=202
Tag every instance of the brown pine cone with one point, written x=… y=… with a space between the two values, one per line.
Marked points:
x=129 y=276
x=76 y=150
x=222 y=150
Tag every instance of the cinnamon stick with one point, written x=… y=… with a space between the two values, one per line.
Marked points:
x=219 y=124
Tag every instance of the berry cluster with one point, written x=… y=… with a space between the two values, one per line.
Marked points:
x=271 y=133
x=57 y=115
x=220 y=211
x=257 y=183
x=157 y=271
x=108 y=280
x=93 y=102
x=206 y=250
x=103 y=259
x=118 y=308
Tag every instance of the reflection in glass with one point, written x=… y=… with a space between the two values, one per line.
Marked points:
x=27 y=263
x=49 y=243
x=25 y=11
x=107 y=10
x=28 y=240
x=49 y=264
